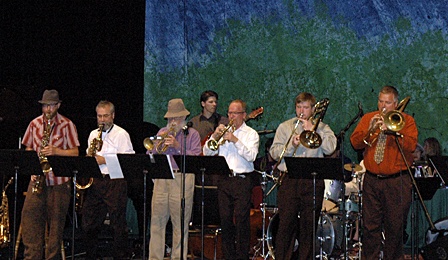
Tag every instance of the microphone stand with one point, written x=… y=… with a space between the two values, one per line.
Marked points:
x=414 y=184
x=340 y=138
x=182 y=218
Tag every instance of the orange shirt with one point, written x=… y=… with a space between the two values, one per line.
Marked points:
x=393 y=161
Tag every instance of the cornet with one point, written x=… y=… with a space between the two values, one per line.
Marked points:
x=161 y=147
x=214 y=144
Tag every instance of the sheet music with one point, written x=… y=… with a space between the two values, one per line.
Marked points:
x=113 y=166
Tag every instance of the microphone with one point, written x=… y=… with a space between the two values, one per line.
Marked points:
x=188 y=125
x=361 y=112
x=185 y=127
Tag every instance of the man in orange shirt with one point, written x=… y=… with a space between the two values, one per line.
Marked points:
x=387 y=184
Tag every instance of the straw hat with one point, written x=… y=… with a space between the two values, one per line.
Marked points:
x=50 y=97
x=176 y=108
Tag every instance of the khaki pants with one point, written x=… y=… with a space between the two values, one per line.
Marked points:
x=49 y=207
x=166 y=203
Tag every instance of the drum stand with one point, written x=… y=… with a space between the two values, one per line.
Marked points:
x=263 y=240
x=358 y=224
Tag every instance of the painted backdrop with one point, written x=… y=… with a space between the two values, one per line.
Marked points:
x=267 y=51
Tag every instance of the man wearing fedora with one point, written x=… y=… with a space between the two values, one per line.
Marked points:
x=167 y=194
x=107 y=194
x=48 y=197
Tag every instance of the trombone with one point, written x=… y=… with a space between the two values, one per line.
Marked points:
x=393 y=120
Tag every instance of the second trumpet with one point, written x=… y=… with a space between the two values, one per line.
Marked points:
x=214 y=144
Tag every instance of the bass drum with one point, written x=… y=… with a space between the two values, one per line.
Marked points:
x=271 y=234
x=325 y=230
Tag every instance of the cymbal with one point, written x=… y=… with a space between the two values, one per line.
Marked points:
x=348 y=167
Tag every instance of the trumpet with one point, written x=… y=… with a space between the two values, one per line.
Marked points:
x=393 y=120
x=214 y=144
x=161 y=147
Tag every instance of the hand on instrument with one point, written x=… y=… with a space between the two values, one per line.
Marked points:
x=49 y=150
x=376 y=123
x=306 y=124
x=171 y=141
x=229 y=136
x=34 y=178
x=100 y=159
x=296 y=140
x=218 y=131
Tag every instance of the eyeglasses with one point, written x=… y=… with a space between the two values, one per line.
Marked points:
x=234 y=113
x=50 y=105
x=103 y=116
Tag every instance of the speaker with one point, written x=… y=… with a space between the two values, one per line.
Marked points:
x=437 y=249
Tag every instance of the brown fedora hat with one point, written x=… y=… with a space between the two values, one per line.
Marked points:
x=176 y=108
x=50 y=97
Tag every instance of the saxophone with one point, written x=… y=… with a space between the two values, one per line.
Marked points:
x=4 y=218
x=44 y=164
x=95 y=146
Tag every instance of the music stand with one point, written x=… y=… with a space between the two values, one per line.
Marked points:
x=203 y=164
x=13 y=161
x=440 y=163
x=157 y=166
x=314 y=168
x=74 y=166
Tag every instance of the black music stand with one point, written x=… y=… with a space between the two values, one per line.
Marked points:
x=427 y=187
x=139 y=166
x=440 y=163
x=203 y=164
x=74 y=166
x=13 y=162
x=314 y=168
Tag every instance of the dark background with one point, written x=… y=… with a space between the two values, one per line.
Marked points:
x=87 y=50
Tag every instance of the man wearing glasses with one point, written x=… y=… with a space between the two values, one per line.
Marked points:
x=109 y=193
x=48 y=196
x=240 y=148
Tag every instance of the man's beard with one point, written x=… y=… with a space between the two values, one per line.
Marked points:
x=174 y=127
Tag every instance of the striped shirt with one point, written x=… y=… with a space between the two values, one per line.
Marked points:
x=63 y=135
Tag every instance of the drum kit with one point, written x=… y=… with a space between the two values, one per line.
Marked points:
x=338 y=230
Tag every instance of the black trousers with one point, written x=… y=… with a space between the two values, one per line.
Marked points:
x=234 y=195
x=106 y=196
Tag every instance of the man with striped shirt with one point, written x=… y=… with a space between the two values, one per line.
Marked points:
x=46 y=206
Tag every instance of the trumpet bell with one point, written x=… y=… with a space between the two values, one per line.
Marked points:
x=148 y=144
x=212 y=145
